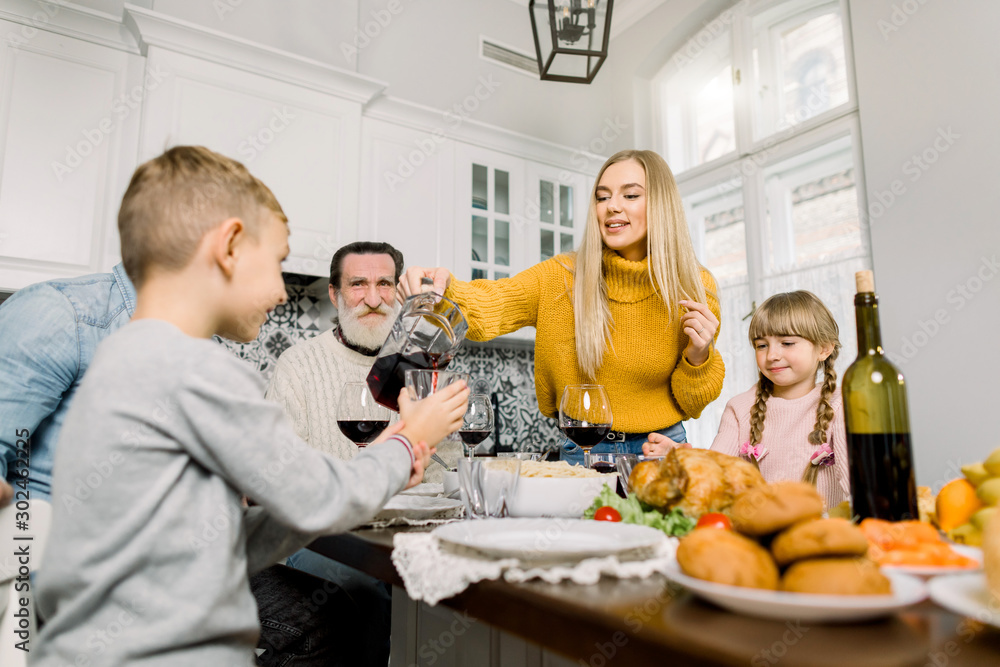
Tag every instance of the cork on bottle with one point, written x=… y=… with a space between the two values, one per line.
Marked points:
x=865 y=281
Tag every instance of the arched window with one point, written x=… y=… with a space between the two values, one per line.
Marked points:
x=757 y=116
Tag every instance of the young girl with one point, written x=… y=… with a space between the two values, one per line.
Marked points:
x=789 y=425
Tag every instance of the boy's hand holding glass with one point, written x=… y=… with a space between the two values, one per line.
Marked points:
x=433 y=418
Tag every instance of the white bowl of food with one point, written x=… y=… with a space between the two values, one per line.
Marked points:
x=556 y=489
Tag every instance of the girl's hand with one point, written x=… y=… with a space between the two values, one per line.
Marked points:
x=700 y=325
x=658 y=444
x=409 y=281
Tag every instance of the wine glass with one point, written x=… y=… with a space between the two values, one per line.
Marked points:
x=359 y=416
x=477 y=424
x=585 y=415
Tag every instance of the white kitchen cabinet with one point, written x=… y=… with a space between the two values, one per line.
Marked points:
x=70 y=117
x=557 y=201
x=491 y=214
x=407 y=185
x=304 y=144
x=512 y=213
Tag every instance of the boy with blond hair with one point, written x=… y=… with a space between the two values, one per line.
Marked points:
x=161 y=550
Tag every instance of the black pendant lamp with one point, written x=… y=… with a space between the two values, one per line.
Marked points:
x=571 y=38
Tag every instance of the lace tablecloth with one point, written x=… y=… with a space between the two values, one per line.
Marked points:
x=433 y=571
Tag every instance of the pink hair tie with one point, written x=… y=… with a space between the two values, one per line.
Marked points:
x=823 y=456
x=757 y=452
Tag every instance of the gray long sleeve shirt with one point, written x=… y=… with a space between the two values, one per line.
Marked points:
x=150 y=549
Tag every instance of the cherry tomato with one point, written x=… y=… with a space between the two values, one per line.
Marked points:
x=714 y=520
x=607 y=514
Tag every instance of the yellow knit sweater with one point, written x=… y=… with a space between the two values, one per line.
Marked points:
x=650 y=384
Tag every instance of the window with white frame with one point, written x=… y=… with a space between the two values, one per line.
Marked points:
x=759 y=124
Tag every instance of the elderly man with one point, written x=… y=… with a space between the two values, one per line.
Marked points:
x=307 y=382
x=309 y=377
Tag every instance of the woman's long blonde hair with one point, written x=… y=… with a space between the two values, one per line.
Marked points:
x=799 y=314
x=673 y=268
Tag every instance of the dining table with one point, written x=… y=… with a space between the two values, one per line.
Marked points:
x=653 y=621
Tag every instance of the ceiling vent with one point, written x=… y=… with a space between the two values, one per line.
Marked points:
x=508 y=57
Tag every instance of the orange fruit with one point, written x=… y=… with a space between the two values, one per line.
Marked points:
x=956 y=503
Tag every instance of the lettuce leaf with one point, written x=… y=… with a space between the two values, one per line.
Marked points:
x=674 y=522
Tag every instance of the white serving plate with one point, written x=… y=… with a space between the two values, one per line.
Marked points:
x=549 y=539
x=967 y=595
x=560 y=497
x=925 y=571
x=779 y=605
x=419 y=508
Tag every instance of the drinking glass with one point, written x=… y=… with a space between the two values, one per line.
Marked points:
x=585 y=414
x=624 y=462
x=477 y=424
x=487 y=485
x=359 y=417
x=422 y=383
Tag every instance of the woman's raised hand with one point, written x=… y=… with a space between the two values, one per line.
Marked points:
x=700 y=325
x=410 y=281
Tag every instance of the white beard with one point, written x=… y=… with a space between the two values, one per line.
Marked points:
x=366 y=335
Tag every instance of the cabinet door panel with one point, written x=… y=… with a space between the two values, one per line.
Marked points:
x=408 y=192
x=68 y=148
x=303 y=144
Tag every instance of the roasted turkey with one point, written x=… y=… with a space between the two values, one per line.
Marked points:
x=694 y=480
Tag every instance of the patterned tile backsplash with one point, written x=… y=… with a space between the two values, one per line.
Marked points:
x=509 y=371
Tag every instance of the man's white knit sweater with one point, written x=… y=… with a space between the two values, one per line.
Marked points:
x=307 y=382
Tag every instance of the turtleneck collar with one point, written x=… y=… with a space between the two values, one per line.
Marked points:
x=628 y=282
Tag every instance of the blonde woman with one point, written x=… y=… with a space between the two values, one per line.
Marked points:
x=632 y=309
x=795 y=339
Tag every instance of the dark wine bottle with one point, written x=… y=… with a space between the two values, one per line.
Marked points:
x=879 y=450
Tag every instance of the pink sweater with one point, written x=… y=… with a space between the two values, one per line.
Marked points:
x=787 y=426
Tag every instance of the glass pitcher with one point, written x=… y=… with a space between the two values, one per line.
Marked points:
x=426 y=334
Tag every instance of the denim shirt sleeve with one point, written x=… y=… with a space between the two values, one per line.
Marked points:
x=39 y=361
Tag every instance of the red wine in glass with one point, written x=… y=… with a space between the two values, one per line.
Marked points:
x=585 y=414
x=359 y=417
x=388 y=374
x=603 y=467
x=362 y=431
x=473 y=437
x=586 y=436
